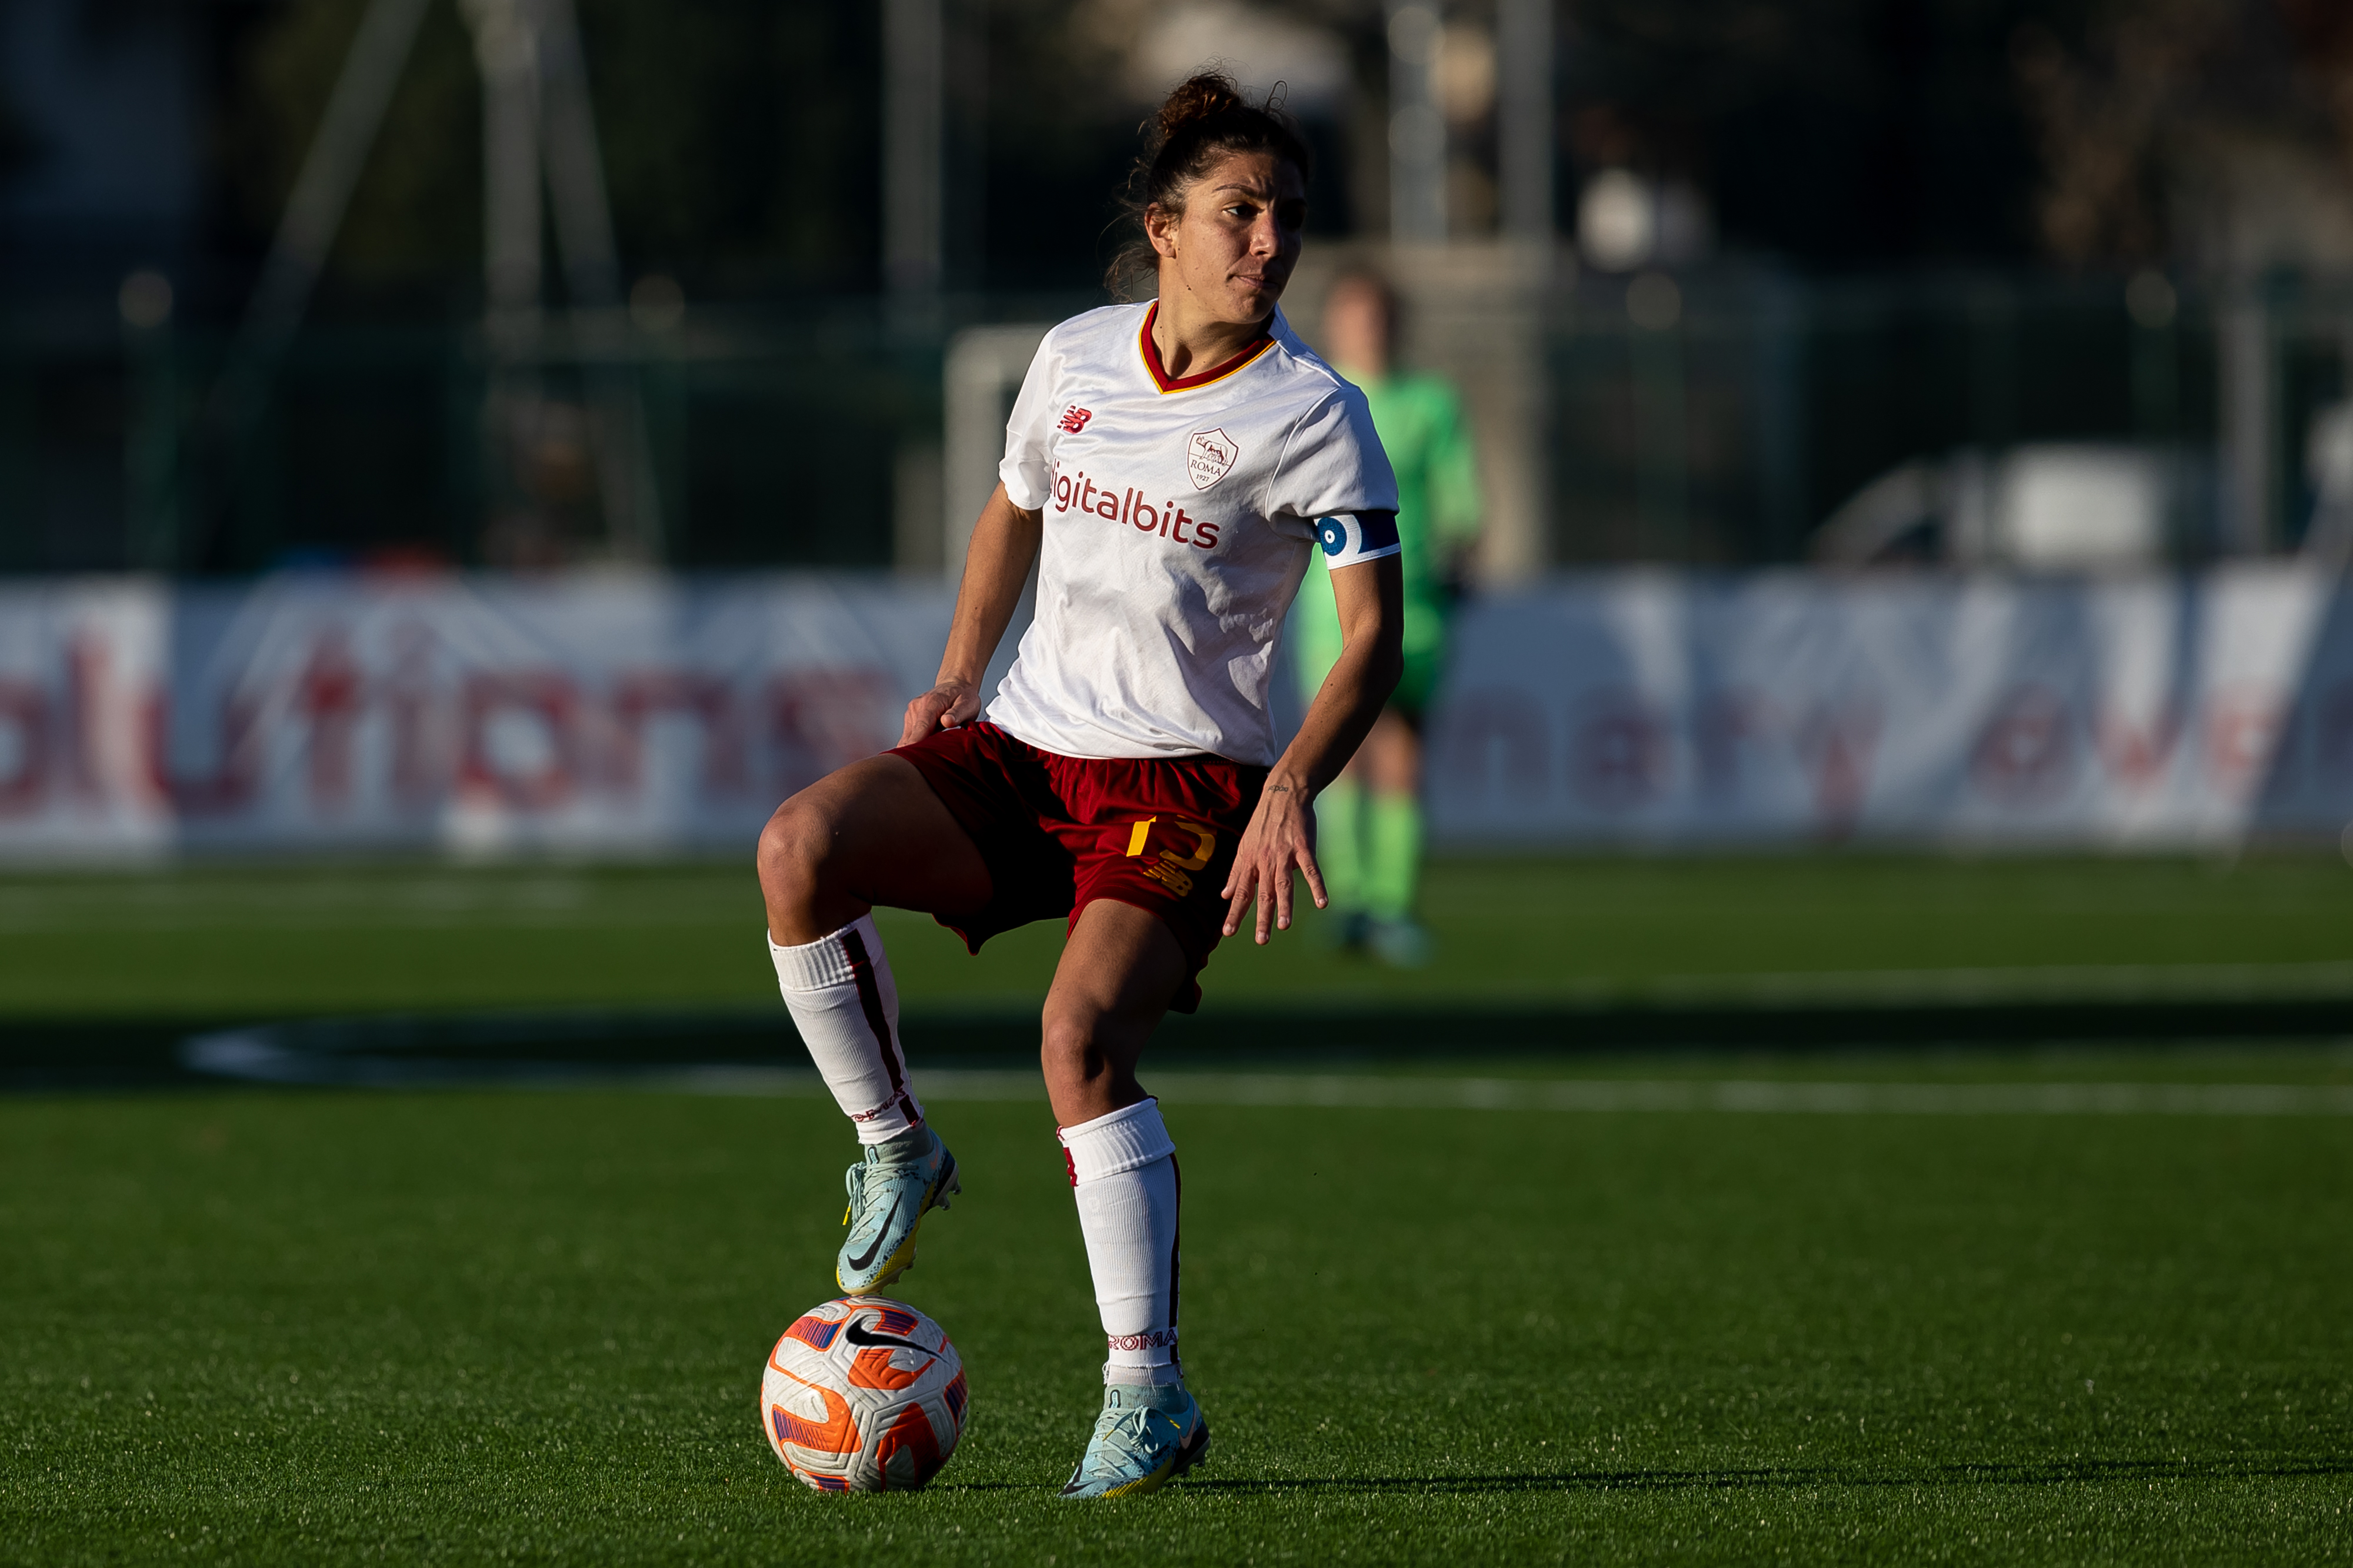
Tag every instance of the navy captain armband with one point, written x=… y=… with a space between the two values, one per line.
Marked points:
x=1351 y=537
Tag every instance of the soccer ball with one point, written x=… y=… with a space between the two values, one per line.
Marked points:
x=864 y=1395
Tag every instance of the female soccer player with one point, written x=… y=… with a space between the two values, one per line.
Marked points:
x=1369 y=821
x=1170 y=468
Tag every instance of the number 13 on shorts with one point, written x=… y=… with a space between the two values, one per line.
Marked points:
x=1171 y=870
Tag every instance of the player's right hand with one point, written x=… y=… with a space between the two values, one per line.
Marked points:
x=947 y=706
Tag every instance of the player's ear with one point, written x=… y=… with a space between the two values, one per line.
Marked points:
x=1160 y=228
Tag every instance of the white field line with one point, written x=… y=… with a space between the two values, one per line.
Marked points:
x=1732 y=1096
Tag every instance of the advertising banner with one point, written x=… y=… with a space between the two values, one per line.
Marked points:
x=482 y=714
x=1794 y=706
x=638 y=714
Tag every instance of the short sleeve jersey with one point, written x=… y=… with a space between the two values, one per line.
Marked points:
x=1180 y=514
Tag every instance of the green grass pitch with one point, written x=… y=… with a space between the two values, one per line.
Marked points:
x=256 y=1328
x=233 y=942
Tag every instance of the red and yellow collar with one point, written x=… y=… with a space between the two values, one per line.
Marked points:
x=1165 y=383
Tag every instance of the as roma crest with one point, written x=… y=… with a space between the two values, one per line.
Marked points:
x=1210 y=456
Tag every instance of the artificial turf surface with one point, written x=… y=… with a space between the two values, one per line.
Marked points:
x=264 y=941
x=247 y=1326
x=256 y=1327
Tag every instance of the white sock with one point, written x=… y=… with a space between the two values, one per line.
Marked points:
x=1124 y=1173
x=846 y=1006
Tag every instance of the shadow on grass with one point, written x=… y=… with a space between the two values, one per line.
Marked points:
x=2057 y=1472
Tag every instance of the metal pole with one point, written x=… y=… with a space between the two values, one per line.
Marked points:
x=2250 y=416
x=912 y=117
x=314 y=210
x=592 y=275
x=1524 y=117
x=575 y=164
x=506 y=52
x=1416 y=129
x=151 y=448
x=506 y=48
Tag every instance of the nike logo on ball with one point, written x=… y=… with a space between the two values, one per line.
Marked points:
x=857 y=1334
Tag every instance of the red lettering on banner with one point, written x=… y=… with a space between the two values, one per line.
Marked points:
x=25 y=710
x=2026 y=752
x=236 y=769
x=1722 y=723
x=2136 y=756
x=420 y=749
x=1837 y=742
x=546 y=698
x=639 y=697
x=821 y=719
x=86 y=662
x=1618 y=754
x=329 y=695
x=2245 y=729
x=1479 y=724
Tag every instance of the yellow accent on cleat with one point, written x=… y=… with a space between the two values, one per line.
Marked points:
x=855 y=1269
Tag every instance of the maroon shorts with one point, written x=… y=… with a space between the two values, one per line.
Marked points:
x=1057 y=833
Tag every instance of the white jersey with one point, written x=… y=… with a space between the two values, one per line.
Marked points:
x=1180 y=515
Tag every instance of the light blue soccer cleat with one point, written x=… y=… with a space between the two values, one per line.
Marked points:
x=1145 y=1438
x=889 y=1191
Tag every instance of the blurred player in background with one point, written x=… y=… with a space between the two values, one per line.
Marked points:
x=1369 y=822
x=1170 y=468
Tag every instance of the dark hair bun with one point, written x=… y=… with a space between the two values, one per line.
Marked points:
x=1203 y=96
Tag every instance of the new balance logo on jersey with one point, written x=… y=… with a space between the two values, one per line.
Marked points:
x=1076 y=492
x=1074 y=418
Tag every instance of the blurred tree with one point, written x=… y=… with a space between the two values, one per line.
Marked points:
x=1836 y=133
x=1060 y=129
x=2215 y=131
x=414 y=223
x=738 y=138
x=16 y=146
x=741 y=137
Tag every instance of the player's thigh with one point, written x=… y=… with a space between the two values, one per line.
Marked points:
x=872 y=833
x=1390 y=757
x=1119 y=970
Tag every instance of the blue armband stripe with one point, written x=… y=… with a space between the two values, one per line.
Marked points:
x=1362 y=533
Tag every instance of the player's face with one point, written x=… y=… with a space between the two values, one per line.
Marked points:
x=1234 y=247
x=1356 y=329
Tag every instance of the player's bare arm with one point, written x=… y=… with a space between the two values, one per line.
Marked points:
x=1280 y=837
x=1004 y=547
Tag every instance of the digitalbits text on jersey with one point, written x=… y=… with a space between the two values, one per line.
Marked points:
x=1127 y=505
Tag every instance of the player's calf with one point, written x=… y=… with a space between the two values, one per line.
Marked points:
x=846 y=1005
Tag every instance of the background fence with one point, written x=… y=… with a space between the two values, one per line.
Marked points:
x=1713 y=418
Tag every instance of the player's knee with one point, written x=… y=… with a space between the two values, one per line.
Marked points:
x=794 y=850
x=1069 y=1044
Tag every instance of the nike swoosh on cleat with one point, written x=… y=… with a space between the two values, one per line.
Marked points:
x=868 y=1256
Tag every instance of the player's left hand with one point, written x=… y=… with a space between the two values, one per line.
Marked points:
x=1281 y=835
